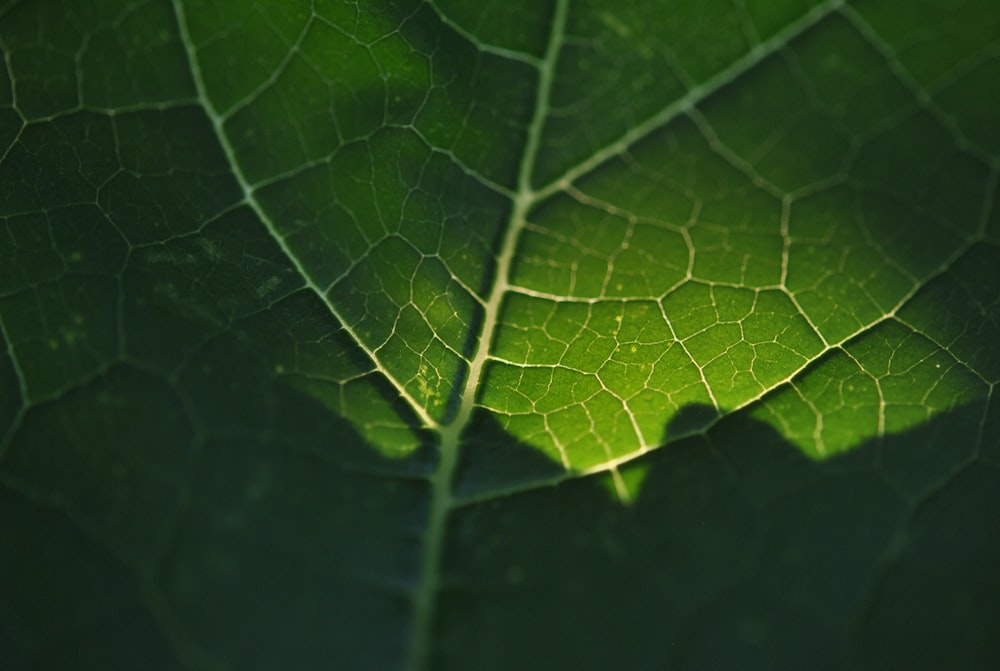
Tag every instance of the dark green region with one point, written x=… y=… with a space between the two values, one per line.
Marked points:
x=737 y=552
x=261 y=554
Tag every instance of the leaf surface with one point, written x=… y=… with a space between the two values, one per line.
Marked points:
x=431 y=335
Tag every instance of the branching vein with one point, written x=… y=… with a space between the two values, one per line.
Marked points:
x=218 y=123
x=442 y=501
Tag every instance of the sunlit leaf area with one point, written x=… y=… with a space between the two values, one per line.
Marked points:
x=419 y=335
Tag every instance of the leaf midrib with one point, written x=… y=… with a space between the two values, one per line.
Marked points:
x=442 y=500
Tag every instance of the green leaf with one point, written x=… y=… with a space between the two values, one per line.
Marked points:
x=450 y=335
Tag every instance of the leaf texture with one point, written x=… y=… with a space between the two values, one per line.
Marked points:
x=452 y=335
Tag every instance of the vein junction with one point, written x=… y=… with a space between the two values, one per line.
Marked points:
x=441 y=483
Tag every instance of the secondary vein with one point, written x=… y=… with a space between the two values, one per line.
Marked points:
x=693 y=97
x=250 y=198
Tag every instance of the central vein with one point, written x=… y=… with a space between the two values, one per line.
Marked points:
x=450 y=434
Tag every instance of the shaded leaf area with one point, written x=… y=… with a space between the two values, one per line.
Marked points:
x=218 y=512
x=738 y=551
x=242 y=564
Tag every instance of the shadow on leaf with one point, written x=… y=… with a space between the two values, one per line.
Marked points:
x=739 y=552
